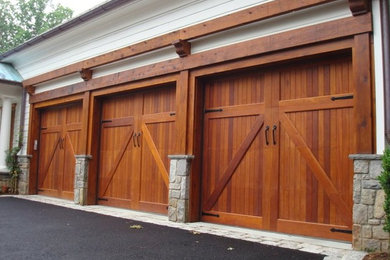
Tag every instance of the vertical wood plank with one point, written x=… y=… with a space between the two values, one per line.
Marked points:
x=93 y=148
x=84 y=123
x=194 y=140
x=362 y=93
x=182 y=94
x=33 y=135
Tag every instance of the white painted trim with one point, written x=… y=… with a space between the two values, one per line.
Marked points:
x=295 y=20
x=310 y=16
x=378 y=74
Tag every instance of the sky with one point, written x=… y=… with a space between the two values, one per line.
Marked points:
x=79 y=6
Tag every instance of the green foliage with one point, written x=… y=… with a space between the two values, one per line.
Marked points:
x=26 y=19
x=13 y=165
x=384 y=180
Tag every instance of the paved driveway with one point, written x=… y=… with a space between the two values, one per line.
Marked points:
x=32 y=230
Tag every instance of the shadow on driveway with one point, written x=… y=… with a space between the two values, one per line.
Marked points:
x=32 y=230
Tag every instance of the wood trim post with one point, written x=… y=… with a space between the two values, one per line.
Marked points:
x=84 y=122
x=34 y=124
x=182 y=86
x=93 y=143
x=361 y=57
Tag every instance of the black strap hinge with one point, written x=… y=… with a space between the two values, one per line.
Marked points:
x=346 y=231
x=213 y=110
x=342 y=97
x=106 y=121
x=209 y=214
x=103 y=199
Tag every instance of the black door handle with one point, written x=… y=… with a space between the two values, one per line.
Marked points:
x=138 y=135
x=273 y=134
x=134 y=136
x=266 y=134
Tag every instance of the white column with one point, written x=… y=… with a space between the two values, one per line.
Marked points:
x=5 y=131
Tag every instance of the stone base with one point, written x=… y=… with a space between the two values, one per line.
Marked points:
x=24 y=176
x=368 y=198
x=81 y=179
x=179 y=188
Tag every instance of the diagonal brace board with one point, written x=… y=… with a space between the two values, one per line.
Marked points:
x=317 y=169
x=160 y=164
x=117 y=161
x=50 y=161
x=233 y=164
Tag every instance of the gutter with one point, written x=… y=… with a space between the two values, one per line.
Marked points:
x=384 y=4
x=10 y=82
x=108 y=6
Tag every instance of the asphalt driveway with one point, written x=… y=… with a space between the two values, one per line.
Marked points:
x=32 y=230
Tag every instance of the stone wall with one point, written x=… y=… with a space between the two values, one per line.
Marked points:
x=368 y=198
x=81 y=179
x=179 y=188
x=23 y=186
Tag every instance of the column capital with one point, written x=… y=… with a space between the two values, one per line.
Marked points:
x=6 y=97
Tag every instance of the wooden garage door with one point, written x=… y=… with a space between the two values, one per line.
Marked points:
x=58 y=144
x=137 y=134
x=276 y=146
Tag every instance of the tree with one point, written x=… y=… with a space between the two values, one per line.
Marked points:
x=26 y=19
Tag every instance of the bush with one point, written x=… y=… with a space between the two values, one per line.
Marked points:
x=384 y=180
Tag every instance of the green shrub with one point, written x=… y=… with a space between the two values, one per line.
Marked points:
x=384 y=180
x=13 y=166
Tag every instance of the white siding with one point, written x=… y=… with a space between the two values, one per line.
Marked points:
x=135 y=22
x=307 y=17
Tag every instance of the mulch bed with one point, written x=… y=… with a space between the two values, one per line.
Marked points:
x=377 y=256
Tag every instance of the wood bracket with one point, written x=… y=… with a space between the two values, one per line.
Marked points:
x=30 y=89
x=359 y=7
x=86 y=74
x=183 y=48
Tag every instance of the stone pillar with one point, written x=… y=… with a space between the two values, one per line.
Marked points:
x=5 y=131
x=368 y=200
x=81 y=179
x=24 y=176
x=179 y=188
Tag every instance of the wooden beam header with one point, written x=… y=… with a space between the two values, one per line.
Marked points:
x=253 y=14
x=299 y=37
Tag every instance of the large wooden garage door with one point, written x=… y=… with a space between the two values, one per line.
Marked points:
x=275 y=149
x=59 y=142
x=137 y=134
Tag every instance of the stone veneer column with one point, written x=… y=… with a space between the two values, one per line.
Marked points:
x=81 y=179
x=368 y=199
x=24 y=176
x=179 y=188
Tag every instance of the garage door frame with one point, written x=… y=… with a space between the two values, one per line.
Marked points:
x=358 y=46
x=34 y=123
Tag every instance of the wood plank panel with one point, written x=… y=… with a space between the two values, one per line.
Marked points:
x=59 y=142
x=137 y=134
x=118 y=150
x=315 y=183
x=232 y=177
x=158 y=131
x=306 y=176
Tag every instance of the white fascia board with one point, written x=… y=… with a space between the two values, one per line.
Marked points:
x=315 y=15
x=295 y=20
x=378 y=75
x=136 y=22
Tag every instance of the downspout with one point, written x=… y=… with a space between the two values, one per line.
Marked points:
x=386 y=64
